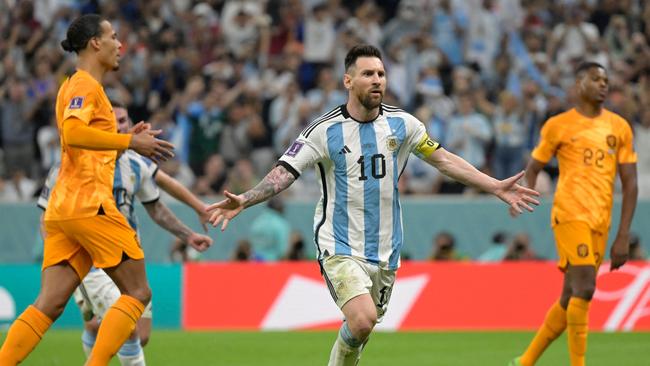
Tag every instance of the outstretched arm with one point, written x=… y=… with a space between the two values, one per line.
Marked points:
x=621 y=247
x=178 y=191
x=278 y=179
x=166 y=219
x=507 y=190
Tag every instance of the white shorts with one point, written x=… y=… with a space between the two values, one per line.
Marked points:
x=348 y=277
x=100 y=292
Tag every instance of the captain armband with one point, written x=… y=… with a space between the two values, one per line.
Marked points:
x=426 y=146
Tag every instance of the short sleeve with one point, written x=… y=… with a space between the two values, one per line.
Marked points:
x=303 y=153
x=548 y=142
x=148 y=190
x=626 y=153
x=82 y=102
x=417 y=140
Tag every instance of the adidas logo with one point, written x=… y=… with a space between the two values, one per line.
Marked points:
x=345 y=150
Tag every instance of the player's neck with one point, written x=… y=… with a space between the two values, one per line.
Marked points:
x=589 y=110
x=359 y=113
x=91 y=66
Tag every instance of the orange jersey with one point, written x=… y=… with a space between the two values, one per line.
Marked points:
x=86 y=176
x=588 y=151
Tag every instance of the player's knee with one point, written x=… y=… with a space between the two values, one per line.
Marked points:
x=52 y=307
x=362 y=325
x=142 y=294
x=144 y=339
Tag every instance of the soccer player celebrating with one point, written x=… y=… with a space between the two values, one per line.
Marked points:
x=82 y=225
x=359 y=150
x=591 y=144
x=135 y=177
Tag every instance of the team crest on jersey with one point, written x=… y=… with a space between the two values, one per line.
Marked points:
x=294 y=149
x=392 y=143
x=611 y=142
x=583 y=250
x=76 y=103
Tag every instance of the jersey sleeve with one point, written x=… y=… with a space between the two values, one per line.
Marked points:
x=44 y=197
x=626 y=153
x=548 y=142
x=148 y=190
x=82 y=103
x=417 y=140
x=303 y=153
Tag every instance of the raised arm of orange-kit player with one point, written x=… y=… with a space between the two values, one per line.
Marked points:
x=178 y=191
x=77 y=134
x=278 y=179
x=620 y=250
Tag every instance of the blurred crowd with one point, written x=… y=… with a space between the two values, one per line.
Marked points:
x=232 y=82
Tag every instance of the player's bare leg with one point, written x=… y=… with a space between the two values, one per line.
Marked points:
x=553 y=326
x=119 y=322
x=360 y=319
x=57 y=284
x=583 y=286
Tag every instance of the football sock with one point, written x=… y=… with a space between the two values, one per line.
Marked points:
x=346 y=348
x=117 y=325
x=131 y=353
x=577 y=329
x=554 y=324
x=23 y=335
x=87 y=341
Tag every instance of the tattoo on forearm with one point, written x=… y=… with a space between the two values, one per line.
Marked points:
x=164 y=217
x=275 y=182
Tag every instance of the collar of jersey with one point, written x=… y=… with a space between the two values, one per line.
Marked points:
x=346 y=114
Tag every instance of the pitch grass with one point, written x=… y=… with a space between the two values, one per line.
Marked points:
x=63 y=347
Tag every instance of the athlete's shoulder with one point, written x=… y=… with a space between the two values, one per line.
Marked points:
x=616 y=118
x=391 y=109
x=135 y=158
x=326 y=119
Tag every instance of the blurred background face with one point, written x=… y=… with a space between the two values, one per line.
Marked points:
x=123 y=120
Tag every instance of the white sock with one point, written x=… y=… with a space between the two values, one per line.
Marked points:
x=346 y=350
x=87 y=342
x=131 y=353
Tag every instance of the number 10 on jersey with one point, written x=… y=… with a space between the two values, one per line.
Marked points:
x=377 y=166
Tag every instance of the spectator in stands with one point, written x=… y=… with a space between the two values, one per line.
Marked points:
x=296 y=251
x=269 y=232
x=444 y=248
x=497 y=250
x=520 y=249
x=642 y=147
x=16 y=112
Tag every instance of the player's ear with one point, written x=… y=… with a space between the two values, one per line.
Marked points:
x=347 y=81
x=94 y=43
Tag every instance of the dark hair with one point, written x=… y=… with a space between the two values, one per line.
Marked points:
x=361 y=50
x=586 y=66
x=117 y=104
x=80 y=31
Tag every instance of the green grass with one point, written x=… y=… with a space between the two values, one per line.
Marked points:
x=63 y=347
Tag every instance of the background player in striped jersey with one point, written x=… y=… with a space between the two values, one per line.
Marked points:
x=591 y=144
x=135 y=177
x=359 y=150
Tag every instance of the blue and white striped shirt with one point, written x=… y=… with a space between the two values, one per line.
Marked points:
x=358 y=164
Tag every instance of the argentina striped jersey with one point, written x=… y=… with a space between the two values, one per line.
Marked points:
x=134 y=178
x=358 y=165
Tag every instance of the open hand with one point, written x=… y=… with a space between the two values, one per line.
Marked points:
x=226 y=209
x=516 y=195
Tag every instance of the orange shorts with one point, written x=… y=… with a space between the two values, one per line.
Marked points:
x=101 y=240
x=577 y=244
